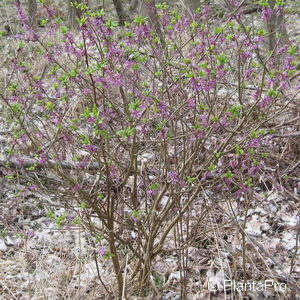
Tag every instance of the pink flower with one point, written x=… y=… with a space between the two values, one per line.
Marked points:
x=113 y=171
x=255 y=143
x=143 y=31
x=265 y=102
x=163 y=134
x=204 y=119
x=267 y=13
x=256 y=93
x=142 y=129
x=30 y=233
x=233 y=163
x=248 y=73
x=91 y=119
x=151 y=193
x=173 y=177
x=163 y=109
x=43 y=159
x=91 y=148
x=77 y=188
x=102 y=251
x=82 y=164
x=191 y=103
x=34 y=187
x=246 y=55
x=254 y=170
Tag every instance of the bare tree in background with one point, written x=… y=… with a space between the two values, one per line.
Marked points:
x=133 y=5
x=192 y=5
x=32 y=10
x=275 y=25
x=150 y=11
x=73 y=12
x=120 y=12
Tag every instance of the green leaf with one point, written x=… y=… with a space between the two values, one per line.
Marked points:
x=111 y=23
x=211 y=168
x=86 y=113
x=32 y=168
x=222 y=59
x=239 y=151
x=272 y=93
x=44 y=22
x=85 y=140
x=83 y=205
x=100 y=196
x=13 y=87
x=154 y=186
x=228 y=175
x=249 y=182
x=190 y=180
x=11 y=176
x=136 y=213
x=293 y=50
x=264 y=3
x=140 y=20
x=262 y=32
x=279 y=2
x=189 y=74
x=73 y=73
x=51 y=214
x=127 y=132
x=135 y=105
x=254 y=134
x=99 y=238
x=219 y=30
x=95 y=111
x=162 y=5
x=82 y=21
x=50 y=105
x=187 y=60
x=202 y=106
x=64 y=79
x=236 y=110
x=77 y=221
x=108 y=255
x=16 y=107
x=64 y=29
x=194 y=25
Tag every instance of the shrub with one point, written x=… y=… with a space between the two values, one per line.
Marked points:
x=137 y=128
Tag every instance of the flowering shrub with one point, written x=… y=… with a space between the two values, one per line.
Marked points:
x=136 y=126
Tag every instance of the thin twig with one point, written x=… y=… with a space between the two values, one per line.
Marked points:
x=291 y=134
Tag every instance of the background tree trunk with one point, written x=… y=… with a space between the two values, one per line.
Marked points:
x=73 y=13
x=151 y=12
x=32 y=10
x=277 y=34
x=133 y=5
x=120 y=12
x=192 y=5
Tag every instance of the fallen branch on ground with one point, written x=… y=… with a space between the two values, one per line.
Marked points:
x=27 y=162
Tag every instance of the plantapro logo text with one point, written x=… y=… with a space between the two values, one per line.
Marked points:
x=247 y=286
